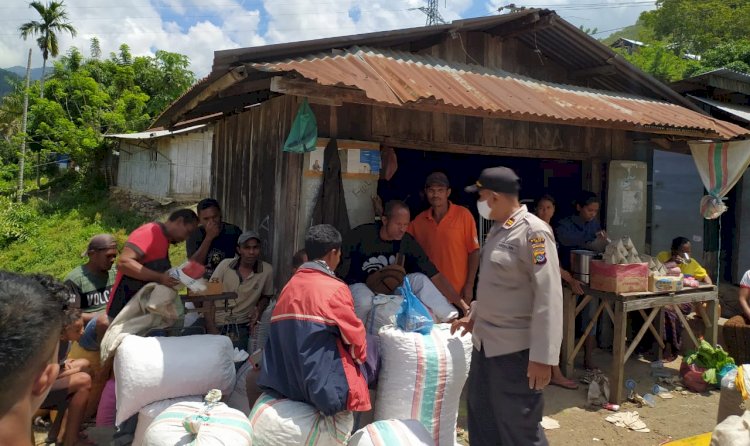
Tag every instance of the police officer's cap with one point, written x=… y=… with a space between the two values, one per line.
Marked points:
x=497 y=179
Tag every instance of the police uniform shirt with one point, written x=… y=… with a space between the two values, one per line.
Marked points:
x=519 y=295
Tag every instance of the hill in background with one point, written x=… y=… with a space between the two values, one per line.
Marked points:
x=632 y=32
x=5 y=84
x=36 y=73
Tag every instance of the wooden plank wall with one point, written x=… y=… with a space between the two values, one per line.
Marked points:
x=256 y=183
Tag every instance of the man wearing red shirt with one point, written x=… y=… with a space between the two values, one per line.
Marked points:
x=145 y=257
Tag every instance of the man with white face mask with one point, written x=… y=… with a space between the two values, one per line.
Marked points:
x=516 y=320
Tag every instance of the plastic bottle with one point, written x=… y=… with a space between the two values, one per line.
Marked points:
x=649 y=399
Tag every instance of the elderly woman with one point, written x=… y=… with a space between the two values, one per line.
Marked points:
x=681 y=255
x=545 y=210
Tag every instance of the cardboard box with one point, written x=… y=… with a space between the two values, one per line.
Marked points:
x=660 y=284
x=211 y=289
x=631 y=278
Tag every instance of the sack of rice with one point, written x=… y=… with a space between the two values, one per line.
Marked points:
x=154 y=369
x=392 y=433
x=280 y=421
x=199 y=424
x=149 y=413
x=421 y=377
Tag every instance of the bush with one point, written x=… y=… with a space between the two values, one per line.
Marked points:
x=49 y=237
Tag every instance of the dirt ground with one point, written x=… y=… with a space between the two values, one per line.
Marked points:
x=683 y=416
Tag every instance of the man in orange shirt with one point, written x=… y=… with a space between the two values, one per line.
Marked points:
x=448 y=234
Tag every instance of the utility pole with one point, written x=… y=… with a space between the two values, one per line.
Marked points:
x=433 y=13
x=22 y=160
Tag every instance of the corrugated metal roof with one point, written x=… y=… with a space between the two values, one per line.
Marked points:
x=398 y=78
x=153 y=134
x=738 y=111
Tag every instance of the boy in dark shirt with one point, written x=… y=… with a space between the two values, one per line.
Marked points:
x=215 y=240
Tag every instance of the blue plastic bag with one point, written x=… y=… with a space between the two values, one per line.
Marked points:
x=413 y=315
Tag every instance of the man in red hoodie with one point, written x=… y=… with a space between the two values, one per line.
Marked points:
x=316 y=348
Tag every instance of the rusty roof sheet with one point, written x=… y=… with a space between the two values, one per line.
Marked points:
x=398 y=78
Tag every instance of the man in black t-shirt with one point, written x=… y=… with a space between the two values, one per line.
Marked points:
x=214 y=240
x=371 y=247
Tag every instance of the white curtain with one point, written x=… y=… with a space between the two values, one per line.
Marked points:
x=721 y=166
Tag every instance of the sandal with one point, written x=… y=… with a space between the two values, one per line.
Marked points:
x=565 y=384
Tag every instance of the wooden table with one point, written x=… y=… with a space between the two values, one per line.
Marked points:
x=208 y=309
x=617 y=307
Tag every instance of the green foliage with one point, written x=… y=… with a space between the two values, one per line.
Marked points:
x=660 y=61
x=49 y=237
x=696 y=26
x=54 y=19
x=734 y=55
x=87 y=98
x=710 y=358
x=632 y=32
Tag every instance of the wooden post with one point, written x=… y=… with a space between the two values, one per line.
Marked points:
x=712 y=333
x=569 y=335
x=617 y=383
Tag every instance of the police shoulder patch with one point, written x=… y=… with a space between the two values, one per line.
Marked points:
x=539 y=256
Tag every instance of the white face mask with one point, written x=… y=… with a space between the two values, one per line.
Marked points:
x=484 y=209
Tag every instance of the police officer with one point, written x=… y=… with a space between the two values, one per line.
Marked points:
x=516 y=320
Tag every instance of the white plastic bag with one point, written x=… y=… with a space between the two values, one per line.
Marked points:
x=279 y=421
x=421 y=376
x=154 y=369
x=392 y=433
x=432 y=298
x=215 y=426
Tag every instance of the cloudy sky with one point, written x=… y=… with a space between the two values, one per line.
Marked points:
x=199 y=27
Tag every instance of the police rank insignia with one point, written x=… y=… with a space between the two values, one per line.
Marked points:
x=509 y=223
x=539 y=254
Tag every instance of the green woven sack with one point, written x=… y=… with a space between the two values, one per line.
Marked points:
x=304 y=133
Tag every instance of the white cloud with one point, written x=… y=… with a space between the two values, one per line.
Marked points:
x=197 y=28
x=143 y=25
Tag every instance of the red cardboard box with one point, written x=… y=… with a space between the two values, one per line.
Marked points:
x=630 y=278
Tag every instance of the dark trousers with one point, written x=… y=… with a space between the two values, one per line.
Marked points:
x=502 y=409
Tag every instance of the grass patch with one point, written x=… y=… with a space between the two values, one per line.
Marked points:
x=41 y=236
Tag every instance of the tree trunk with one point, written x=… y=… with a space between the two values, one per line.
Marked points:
x=21 y=162
x=41 y=81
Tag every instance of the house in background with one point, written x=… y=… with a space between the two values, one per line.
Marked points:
x=166 y=164
x=723 y=94
x=526 y=90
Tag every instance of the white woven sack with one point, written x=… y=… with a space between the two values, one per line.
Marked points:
x=238 y=398
x=392 y=433
x=432 y=298
x=149 y=413
x=279 y=421
x=154 y=369
x=734 y=431
x=421 y=378
x=383 y=312
x=218 y=426
x=362 y=296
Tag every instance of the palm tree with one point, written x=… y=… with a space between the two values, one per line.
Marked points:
x=54 y=20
